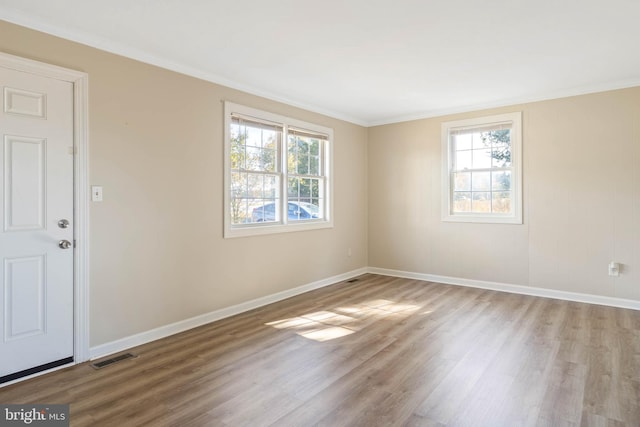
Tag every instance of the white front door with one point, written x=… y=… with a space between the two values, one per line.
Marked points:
x=36 y=223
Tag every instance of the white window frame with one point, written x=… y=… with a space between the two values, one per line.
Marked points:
x=284 y=225
x=515 y=217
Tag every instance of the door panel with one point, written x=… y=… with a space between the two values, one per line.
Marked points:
x=36 y=162
x=25 y=103
x=24 y=184
x=24 y=289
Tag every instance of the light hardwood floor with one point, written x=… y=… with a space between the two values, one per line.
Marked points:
x=376 y=352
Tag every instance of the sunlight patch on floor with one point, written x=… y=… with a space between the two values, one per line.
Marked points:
x=325 y=325
x=290 y=323
x=327 y=334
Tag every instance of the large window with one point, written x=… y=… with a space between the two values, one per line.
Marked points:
x=482 y=169
x=277 y=173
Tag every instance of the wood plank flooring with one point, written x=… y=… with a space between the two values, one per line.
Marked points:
x=381 y=351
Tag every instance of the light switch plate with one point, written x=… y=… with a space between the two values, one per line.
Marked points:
x=96 y=193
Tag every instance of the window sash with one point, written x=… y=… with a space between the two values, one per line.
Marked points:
x=320 y=176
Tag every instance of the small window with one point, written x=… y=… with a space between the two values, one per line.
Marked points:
x=277 y=173
x=482 y=169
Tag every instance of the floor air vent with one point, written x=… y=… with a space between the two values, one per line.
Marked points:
x=112 y=360
x=352 y=280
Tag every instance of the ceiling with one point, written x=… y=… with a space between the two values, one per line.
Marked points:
x=366 y=61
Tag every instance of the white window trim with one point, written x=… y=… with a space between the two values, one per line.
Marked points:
x=231 y=231
x=516 y=178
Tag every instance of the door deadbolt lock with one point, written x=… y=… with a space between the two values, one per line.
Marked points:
x=63 y=223
x=64 y=244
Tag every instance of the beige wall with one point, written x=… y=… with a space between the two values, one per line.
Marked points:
x=581 y=200
x=157 y=252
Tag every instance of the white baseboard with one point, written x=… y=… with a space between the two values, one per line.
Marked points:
x=183 y=325
x=515 y=289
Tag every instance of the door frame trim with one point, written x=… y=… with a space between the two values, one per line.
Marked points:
x=80 y=82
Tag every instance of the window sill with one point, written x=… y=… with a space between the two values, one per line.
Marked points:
x=480 y=219
x=261 y=229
